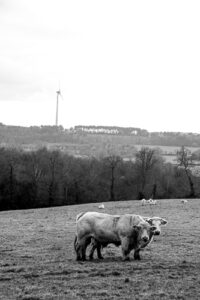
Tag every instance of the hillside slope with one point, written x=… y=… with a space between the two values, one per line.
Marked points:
x=37 y=259
x=95 y=141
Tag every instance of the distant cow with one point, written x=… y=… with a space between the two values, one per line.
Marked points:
x=153 y=202
x=156 y=222
x=101 y=206
x=129 y=231
x=143 y=201
x=184 y=201
x=150 y=201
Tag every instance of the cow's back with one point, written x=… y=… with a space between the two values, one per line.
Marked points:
x=98 y=225
x=127 y=221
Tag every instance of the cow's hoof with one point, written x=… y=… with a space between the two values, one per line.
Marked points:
x=126 y=259
x=90 y=257
x=137 y=257
x=78 y=259
x=83 y=259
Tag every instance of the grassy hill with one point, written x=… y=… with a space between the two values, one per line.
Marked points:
x=37 y=260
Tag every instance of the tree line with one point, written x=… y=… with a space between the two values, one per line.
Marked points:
x=17 y=135
x=50 y=178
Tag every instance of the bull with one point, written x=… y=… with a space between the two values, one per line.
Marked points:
x=155 y=222
x=132 y=232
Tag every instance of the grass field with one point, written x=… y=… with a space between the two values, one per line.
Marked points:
x=37 y=260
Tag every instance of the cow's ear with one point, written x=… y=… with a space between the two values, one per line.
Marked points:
x=163 y=221
x=137 y=227
x=149 y=220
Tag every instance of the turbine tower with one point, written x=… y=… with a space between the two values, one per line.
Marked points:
x=58 y=93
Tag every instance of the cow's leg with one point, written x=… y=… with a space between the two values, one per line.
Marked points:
x=95 y=245
x=92 y=249
x=85 y=243
x=77 y=248
x=78 y=252
x=125 y=248
x=99 y=251
x=137 y=254
x=80 y=247
x=91 y=253
x=83 y=251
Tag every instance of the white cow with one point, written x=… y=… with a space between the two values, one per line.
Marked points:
x=155 y=222
x=129 y=231
x=101 y=206
x=143 y=201
x=184 y=201
x=150 y=201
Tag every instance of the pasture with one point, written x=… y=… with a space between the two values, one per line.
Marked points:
x=37 y=259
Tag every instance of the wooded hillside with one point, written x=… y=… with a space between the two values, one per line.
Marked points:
x=94 y=141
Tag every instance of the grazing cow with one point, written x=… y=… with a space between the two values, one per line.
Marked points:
x=101 y=206
x=150 y=201
x=129 y=231
x=184 y=201
x=156 y=222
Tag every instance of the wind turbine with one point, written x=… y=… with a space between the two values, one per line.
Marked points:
x=58 y=93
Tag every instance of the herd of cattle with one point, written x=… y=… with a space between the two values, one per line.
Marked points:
x=132 y=232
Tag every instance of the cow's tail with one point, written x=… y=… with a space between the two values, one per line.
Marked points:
x=75 y=244
x=79 y=216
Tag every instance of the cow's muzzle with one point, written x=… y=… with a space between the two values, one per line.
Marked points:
x=156 y=232
x=145 y=239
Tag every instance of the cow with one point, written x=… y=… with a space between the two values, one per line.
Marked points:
x=130 y=231
x=156 y=222
x=153 y=202
x=150 y=201
x=101 y=206
x=184 y=201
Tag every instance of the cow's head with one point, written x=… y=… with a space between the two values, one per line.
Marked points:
x=156 y=222
x=144 y=232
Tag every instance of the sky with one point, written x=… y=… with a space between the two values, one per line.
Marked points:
x=117 y=63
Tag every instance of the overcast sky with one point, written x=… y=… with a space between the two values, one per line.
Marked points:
x=124 y=63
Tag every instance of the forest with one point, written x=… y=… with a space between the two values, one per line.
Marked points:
x=45 y=178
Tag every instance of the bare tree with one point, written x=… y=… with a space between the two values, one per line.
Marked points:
x=12 y=161
x=146 y=159
x=53 y=161
x=184 y=159
x=33 y=172
x=112 y=162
